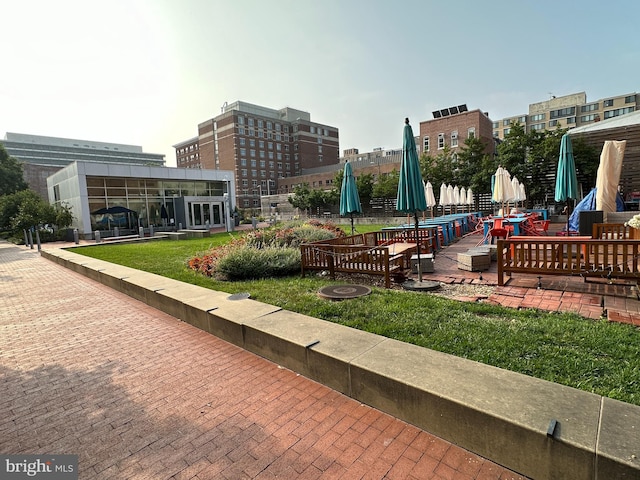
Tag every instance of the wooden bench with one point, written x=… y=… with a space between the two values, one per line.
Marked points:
x=362 y=253
x=584 y=256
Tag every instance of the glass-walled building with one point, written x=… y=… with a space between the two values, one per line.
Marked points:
x=106 y=196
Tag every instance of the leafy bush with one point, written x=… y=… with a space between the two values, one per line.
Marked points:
x=263 y=253
x=247 y=262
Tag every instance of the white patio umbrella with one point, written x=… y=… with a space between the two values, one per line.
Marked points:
x=450 y=195
x=469 y=198
x=456 y=197
x=431 y=199
x=502 y=189
x=523 y=193
x=463 y=196
x=444 y=198
x=515 y=184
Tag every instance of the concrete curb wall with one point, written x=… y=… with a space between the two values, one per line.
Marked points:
x=500 y=415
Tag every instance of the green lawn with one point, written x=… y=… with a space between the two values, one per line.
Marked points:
x=596 y=356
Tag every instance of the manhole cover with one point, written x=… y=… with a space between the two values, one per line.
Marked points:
x=239 y=296
x=342 y=292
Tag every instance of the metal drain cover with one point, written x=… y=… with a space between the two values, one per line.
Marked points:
x=343 y=292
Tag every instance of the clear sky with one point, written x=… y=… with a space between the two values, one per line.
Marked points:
x=146 y=72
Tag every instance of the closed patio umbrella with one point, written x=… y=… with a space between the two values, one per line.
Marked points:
x=502 y=189
x=566 y=177
x=429 y=196
x=469 y=197
x=444 y=197
x=608 y=176
x=450 y=196
x=456 y=197
x=411 y=197
x=463 y=196
x=349 y=199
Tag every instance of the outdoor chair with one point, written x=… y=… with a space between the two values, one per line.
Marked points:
x=498 y=233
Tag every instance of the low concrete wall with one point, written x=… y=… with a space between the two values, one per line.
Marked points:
x=500 y=415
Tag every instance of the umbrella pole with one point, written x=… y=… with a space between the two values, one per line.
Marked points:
x=352 y=229
x=418 y=248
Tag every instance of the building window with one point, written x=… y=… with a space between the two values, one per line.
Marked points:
x=563 y=112
x=270 y=155
x=589 y=118
x=260 y=123
x=506 y=122
x=243 y=162
x=251 y=122
x=278 y=127
x=496 y=124
x=505 y=132
x=607 y=103
x=571 y=120
x=244 y=172
x=240 y=130
x=496 y=134
x=312 y=129
x=242 y=142
x=471 y=132
x=537 y=126
x=253 y=162
x=252 y=152
x=245 y=182
x=553 y=123
x=425 y=144
x=262 y=163
x=630 y=99
x=440 y=141
x=617 y=112
x=252 y=142
x=454 y=138
x=522 y=120
x=537 y=118
x=589 y=108
x=240 y=120
x=319 y=148
x=268 y=125
x=261 y=153
x=243 y=152
x=254 y=173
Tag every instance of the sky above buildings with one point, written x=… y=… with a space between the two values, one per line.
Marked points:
x=146 y=72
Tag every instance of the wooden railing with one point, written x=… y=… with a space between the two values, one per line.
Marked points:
x=582 y=256
x=613 y=231
x=373 y=253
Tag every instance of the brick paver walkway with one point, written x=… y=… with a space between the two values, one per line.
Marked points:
x=138 y=394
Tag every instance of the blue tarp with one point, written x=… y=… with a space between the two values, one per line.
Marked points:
x=589 y=203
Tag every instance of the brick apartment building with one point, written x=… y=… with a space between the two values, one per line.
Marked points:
x=261 y=145
x=452 y=126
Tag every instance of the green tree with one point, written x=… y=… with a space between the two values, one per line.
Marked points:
x=474 y=166
x=387 y=185
x=439 y=169
x=11 y=175
x=364 y=183
x=300 y=198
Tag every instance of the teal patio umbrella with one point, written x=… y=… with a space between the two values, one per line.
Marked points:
x=411 y=197
x=349 y=199
x=566 y=178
